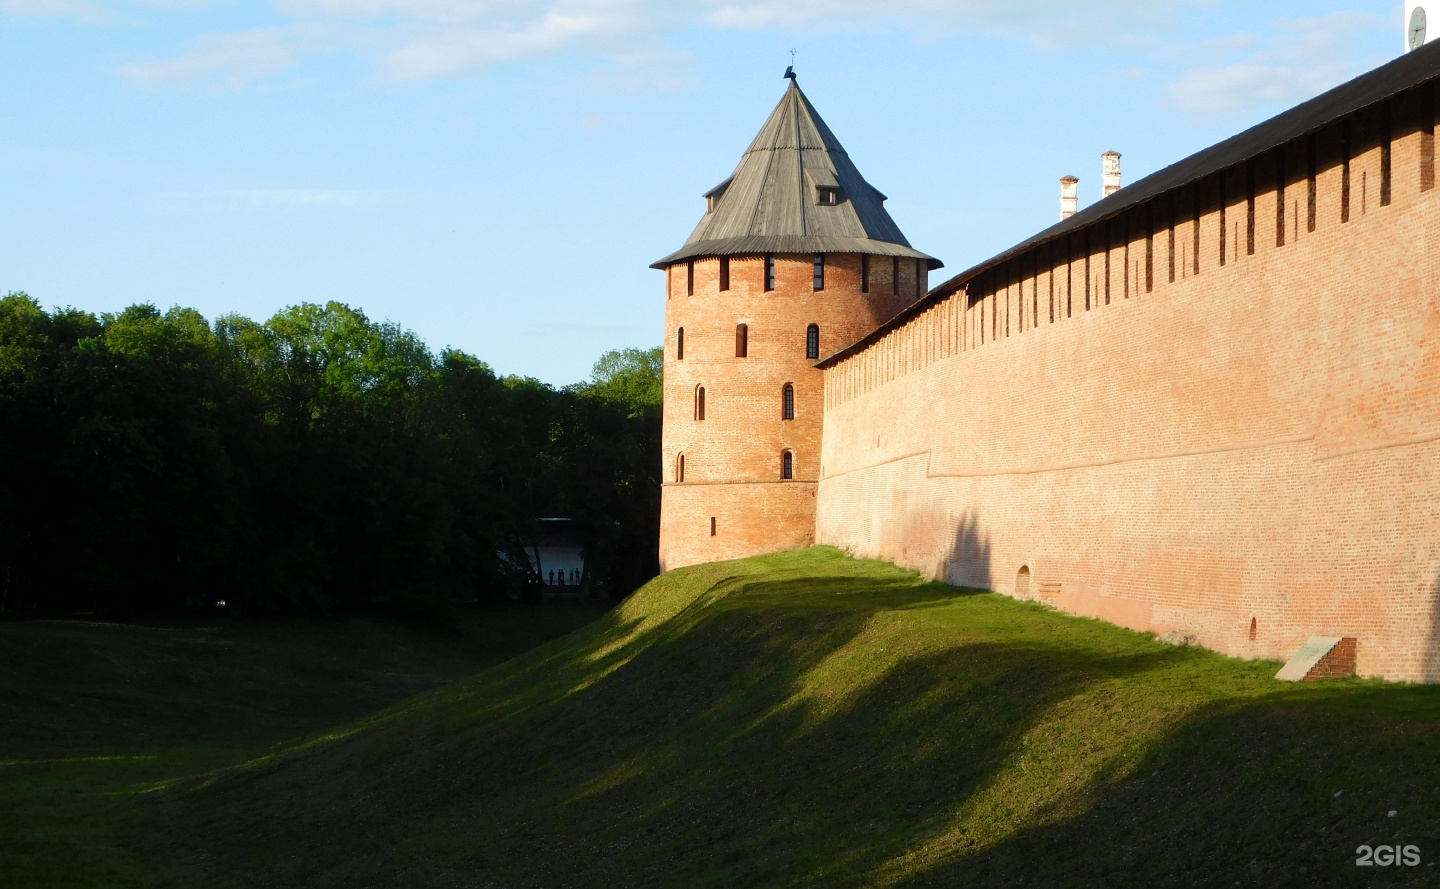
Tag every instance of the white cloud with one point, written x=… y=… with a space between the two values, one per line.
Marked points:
x=236 y=58
x=1048 y=22
x=409 y=40
x=1302 y=59
x=283 y=197
x=415 y=39
x=1228 y=90
x=52 y=8
x=451 y=50
x=443 y=11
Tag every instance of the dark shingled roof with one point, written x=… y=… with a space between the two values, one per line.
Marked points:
x=768 y=205
x=1410 y=70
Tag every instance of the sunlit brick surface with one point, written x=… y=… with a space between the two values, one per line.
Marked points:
x=1256 y=442
x=733 y=456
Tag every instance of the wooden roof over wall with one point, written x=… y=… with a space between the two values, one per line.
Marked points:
x=1410 y=70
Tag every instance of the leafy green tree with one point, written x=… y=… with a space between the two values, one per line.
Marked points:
x=633 y=377
x=318 y=462
x=612 y=447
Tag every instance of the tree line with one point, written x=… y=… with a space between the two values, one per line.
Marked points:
x=319 y=462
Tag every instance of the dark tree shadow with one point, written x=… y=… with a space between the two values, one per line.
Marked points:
x=1279 y=791
x=968 y=561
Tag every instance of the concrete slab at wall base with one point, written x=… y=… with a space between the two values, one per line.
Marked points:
x=1323 y=657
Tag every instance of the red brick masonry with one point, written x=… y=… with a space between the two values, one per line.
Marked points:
x=1338 y=664
x=1219 y=411
x=733 y=456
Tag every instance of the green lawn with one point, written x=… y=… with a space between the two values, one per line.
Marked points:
x=804 y=719
x=96 y=717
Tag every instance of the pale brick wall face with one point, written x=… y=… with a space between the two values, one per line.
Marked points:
x=1256 y=442
x=733 y=456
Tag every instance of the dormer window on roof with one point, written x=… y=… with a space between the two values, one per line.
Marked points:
x=713 y=196
x=827 y=189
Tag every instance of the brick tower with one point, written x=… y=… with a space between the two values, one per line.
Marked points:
x=795 y=259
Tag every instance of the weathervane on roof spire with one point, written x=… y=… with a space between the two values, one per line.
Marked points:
x=790 y=69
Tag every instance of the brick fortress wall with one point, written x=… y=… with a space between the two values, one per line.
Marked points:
x=733 y=457
x=1218 y=413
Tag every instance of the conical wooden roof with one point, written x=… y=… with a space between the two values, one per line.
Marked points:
x=770 y=203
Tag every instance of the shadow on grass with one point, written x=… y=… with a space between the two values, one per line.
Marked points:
x=799 y=721
x=1270 y=792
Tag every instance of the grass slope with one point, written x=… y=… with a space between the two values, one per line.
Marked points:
x=94 y=716
x=809 y=720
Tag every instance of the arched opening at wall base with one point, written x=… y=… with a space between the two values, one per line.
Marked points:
x=1022 y=582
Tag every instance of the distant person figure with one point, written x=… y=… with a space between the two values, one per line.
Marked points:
x=552 y=576
x=562 y=577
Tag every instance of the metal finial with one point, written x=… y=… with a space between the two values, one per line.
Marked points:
x=790 y=70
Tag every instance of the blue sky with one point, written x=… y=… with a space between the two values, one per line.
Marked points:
x=497 y=175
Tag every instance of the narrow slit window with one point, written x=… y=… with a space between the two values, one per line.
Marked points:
x=770 y=272
x=1150 y=247
x=680 y=344
x=819 y=282
x=1311 y=171
x=1052 y=282
x=1427 y=138
x=1088 y=251
x=1195 y=230
x=712 y=526
x=699 y=402
x=787 y=466
x=1170 y=236
x=812 y=342
x=1280 y=197
x=1224 y=207
x=724 y=273
x=1385 y=140
x=864 y=273
x=1345 y=171
x=787 y=402
x=1034 y=294
x=680 y=468
x=895 y=275
x=690 y=278
x=1250 y=209
x=1129 y=221
x=742 y=340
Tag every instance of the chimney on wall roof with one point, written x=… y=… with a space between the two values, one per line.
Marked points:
x=1110 y=173
x=1069 y=197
